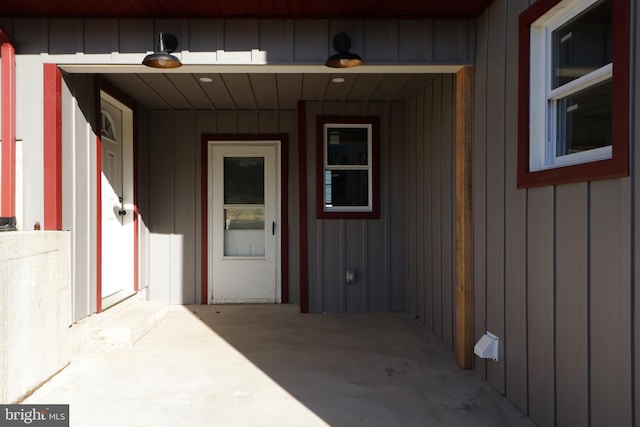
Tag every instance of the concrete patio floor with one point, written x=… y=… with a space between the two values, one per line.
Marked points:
x=268 y=365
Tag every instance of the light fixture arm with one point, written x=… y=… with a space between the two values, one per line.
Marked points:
x=344 y=58
x=167 y=43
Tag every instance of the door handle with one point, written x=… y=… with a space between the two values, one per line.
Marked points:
x=122 y=211
x=273 y=228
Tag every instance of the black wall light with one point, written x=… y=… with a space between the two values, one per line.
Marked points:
x=343 y=59
x=162 y=58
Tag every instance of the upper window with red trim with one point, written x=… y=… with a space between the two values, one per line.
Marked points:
x=348 y=175
x=574 y=91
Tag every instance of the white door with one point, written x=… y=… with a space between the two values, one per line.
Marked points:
x=244 y=223
x=117 y=200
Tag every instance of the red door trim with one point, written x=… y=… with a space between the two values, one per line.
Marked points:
x=204 y=204
x=52 y=147
x=8 y=120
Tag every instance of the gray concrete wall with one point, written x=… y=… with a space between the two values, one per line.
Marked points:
x=554 y=267
x=35 y=286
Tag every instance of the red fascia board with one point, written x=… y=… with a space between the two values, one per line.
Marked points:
x=52 y=147
x=8 y=118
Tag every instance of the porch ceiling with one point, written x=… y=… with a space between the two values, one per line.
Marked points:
x=246 y=8
x=263 y=91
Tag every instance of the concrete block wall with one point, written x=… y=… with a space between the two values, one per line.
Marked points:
x=35 y=286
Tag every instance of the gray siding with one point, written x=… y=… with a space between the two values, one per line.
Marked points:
x=553 y=266
x=430 y=206
x=207 y=41
x=376 y=249
x=405 y=260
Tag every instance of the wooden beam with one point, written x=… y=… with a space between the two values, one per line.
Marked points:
x=464 y=236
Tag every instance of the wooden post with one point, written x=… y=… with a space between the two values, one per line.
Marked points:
x=464 y=237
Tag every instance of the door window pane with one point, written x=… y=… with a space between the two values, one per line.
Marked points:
x=244 y=180
x=244 y=232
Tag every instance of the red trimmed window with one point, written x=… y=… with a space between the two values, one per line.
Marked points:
x=574 y=92
x=348 y=181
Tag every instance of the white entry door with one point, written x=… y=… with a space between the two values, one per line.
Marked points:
x=244 y=223
x=117 y=201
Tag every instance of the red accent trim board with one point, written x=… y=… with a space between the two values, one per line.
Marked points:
x=204 y=207
x=302 y=192
x=8 y=108
x=52 y=147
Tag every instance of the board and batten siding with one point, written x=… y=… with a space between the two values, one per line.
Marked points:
x=405 y=260
x=374 y=247
x=429 y=211
x=170 y=199
x=554 y=267
x=244 y=41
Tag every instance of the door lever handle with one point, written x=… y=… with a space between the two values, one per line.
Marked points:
x=273 y=228
x=122 y=211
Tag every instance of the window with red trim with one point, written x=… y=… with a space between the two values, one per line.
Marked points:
x=574 y=92
x=347 y=172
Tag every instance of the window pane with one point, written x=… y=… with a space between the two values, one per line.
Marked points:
x=584 y=120
x=244 y=180
x=347 y=146
x=583 y=44
x=244 y=232
x=346 y=188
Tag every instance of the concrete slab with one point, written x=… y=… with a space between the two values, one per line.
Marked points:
x=268 y=365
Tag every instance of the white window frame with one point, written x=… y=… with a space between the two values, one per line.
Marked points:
x=368 y=167
x=543 y=98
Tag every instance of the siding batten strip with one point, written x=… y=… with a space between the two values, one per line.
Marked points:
x=464 y=244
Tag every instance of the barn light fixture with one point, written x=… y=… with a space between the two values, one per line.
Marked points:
x=343 y=59
x=162 y=58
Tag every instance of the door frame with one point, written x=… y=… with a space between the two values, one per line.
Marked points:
x=282 y=171
x=104 y=86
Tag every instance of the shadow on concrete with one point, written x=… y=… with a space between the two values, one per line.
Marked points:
x=359 y=369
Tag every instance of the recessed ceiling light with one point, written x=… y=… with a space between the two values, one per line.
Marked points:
x=338 y=80
x=206 y=79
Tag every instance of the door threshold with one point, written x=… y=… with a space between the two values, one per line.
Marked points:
x=116 y=298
